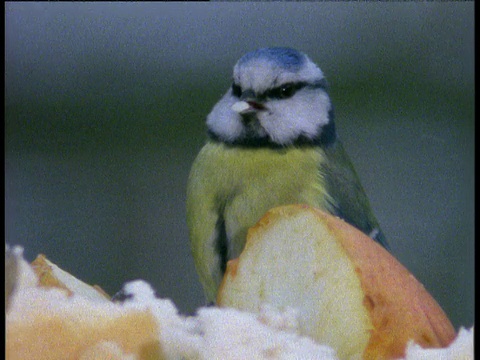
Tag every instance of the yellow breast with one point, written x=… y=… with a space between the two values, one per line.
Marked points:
x=245 y=183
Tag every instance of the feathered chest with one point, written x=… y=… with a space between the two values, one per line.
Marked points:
x=264 y=175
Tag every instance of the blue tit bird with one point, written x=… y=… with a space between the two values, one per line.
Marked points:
x=271 y=142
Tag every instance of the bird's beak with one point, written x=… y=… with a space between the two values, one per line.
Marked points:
x=245 y=107
x=248 y=104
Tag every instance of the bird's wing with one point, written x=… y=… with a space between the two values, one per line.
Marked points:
x=347 y=197
x=206 y=231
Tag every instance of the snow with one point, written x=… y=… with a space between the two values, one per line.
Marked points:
x=213 y=333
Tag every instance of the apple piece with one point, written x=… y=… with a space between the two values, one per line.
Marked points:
x=50 y=327
x=59 y=317
x=350 y=292
x=50 y=275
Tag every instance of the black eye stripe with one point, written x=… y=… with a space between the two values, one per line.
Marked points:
x=283 y=91
x=236 y=90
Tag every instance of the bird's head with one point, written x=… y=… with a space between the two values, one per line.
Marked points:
x=278 y=98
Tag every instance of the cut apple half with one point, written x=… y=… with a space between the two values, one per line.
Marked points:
x=350 y=293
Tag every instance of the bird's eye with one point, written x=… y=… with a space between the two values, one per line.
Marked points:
x=283 y=92
x=236 y=90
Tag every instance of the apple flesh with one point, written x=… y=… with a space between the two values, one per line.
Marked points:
x=349 y=291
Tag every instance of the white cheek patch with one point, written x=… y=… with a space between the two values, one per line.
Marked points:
x=302 y=115
x=223 y=121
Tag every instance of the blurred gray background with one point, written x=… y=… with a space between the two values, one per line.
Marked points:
x=105 y=109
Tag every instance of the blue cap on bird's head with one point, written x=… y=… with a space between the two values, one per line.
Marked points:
x=266 y=68
x=286 y=58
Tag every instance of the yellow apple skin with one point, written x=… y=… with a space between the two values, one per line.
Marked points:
x=59 y=317
x=394 y=306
